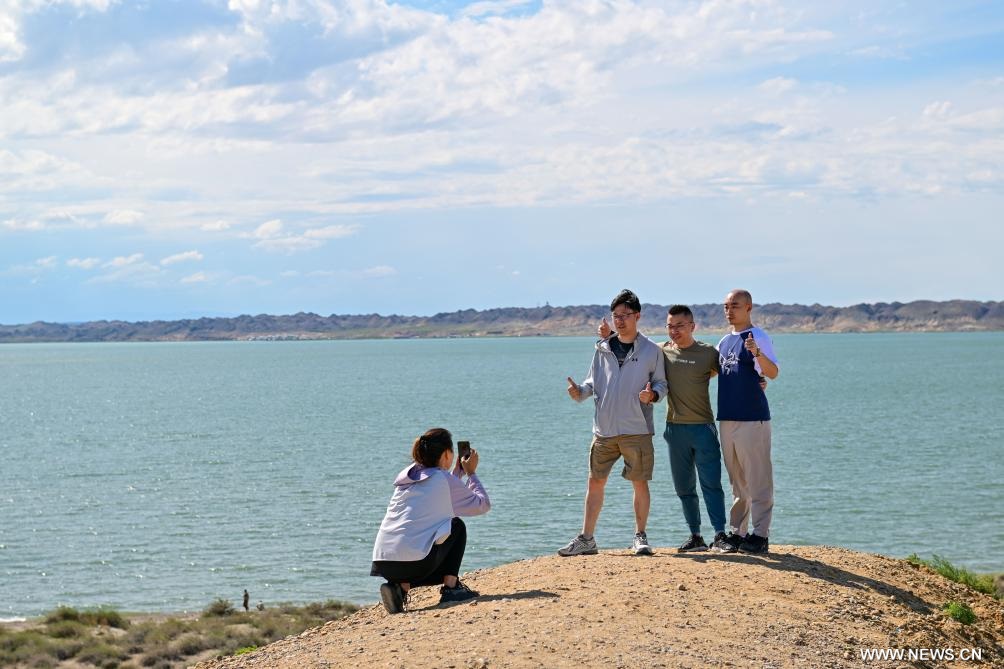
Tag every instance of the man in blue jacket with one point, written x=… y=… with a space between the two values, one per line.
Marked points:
x=627 y=376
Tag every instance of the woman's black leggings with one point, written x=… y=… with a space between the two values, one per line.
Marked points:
x=443 y=560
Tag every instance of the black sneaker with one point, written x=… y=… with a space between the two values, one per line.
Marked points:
x=393 y=597
x=754 y=544
x=720 y=544
x=458 y=593
x=694 y=543
x=726 y=543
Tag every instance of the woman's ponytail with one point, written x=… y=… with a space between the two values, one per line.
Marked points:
x=429 y=448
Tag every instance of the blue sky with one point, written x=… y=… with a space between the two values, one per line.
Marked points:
x=174 y=158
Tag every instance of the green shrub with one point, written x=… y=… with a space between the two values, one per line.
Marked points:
x=980 y=582
x=63 y=613
x=65 y=629
x=158 y=634
x=960 y=611
x=245 y=650
x=66 y=649
x=100 y=653
x=219 y=607
x=29 y=648
x=157 y=656
x=105 y=616
x=100 y=616
x=190 y=644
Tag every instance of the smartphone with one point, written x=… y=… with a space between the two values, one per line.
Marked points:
x=463 y=449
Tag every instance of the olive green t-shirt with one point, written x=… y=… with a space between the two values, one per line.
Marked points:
x=688 y=372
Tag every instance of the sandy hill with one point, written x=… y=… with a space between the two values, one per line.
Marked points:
x=799 y=606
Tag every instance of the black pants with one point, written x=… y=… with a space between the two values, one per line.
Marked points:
x=443 y=560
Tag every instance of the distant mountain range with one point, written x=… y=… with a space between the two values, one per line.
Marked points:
x=954 y=315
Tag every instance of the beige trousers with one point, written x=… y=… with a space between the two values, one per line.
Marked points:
x=746 y=452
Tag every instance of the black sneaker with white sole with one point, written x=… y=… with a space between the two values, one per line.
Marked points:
x=726 y=543
x=693 y=544
x=754 y=544
x=720 y=545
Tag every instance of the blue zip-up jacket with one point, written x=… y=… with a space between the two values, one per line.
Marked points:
x=615 y=389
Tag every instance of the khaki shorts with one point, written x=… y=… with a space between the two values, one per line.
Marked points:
x=639 y=456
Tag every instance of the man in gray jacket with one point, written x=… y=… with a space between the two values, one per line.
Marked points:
x=626 y=377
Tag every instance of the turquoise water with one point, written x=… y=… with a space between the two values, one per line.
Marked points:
x=157 y=477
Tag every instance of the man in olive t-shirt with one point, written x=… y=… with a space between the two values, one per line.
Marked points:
x=690 y=427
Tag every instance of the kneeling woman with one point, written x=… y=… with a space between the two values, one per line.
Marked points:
x=421 y=541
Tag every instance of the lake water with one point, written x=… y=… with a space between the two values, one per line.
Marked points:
x=158 y=477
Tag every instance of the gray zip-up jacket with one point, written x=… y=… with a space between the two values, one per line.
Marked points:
x=615 y=389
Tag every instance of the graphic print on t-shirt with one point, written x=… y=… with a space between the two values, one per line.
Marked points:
x=730 y=359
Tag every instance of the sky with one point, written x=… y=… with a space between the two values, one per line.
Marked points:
x=166 y=159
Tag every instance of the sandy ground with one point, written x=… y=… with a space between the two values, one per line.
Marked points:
x=804 y=606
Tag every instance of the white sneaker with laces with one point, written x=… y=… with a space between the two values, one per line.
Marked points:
x=640 y=545
x=579 y=546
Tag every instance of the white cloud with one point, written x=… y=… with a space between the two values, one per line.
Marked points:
x=135 y=272
x=506 y=103
x=331 y=232
x=493 y=7
x=123 y=217
x=379 y=271
x=83 y=263
x=123 y=261
x=288 y=245
x=35 y=268
x=778 y=85
x=938 y=110
x=216 y=226
x=249 y=280
x=187 y=256
x=274 y=237
x=268 y=229
x=15 y=224
x=879 y=52
x=11 y=46
x=197 y=277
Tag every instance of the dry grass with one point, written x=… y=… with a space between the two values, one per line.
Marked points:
x=105 y=638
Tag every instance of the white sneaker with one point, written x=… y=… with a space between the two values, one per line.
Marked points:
x=579 y=546
x=640 y=545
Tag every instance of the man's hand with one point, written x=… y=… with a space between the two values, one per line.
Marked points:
x=604 y=329
x=573 y=389
x=751 y=346
x=647 y=396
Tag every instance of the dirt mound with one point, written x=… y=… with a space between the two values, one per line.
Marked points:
x=799 y=606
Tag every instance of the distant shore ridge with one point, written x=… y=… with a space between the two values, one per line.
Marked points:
x=917 y=316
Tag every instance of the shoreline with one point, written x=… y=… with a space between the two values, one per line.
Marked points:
x=23 y=621
x=798 y=605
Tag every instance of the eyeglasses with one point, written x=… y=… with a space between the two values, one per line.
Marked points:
x=623 y=317
x=678 y=327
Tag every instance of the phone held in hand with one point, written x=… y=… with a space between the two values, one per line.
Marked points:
x=463 y=449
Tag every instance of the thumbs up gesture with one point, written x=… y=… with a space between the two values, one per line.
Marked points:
x=573 y=389
x=647 y=396
x=604 y=329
